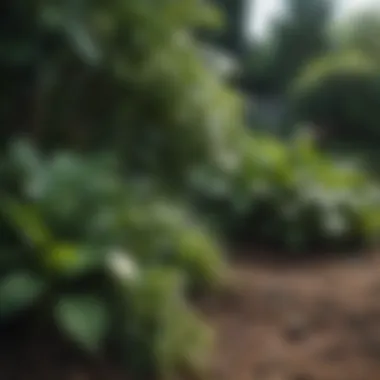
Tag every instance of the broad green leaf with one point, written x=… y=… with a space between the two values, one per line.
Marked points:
x=18 y=291
x=84 y=319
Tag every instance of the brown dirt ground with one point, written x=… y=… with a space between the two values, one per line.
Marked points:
x=306 y=322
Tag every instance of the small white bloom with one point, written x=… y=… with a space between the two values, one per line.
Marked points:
x=122 y=265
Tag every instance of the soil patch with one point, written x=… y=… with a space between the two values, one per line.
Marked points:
x=316 y=321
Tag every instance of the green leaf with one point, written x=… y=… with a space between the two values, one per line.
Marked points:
x=72 y=260
x=84 y=319
x=18 y=291
x=28 y=222
x=79 y=33
x=24 y=156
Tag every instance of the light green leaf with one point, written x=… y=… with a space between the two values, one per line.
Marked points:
x=84 y=319
x=72 y=260
x=18 y=291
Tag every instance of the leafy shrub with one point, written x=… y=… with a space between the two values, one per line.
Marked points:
x=114 y=263
x=293 y=198
x=123 y=75
x=341 y=94
x=87 y=235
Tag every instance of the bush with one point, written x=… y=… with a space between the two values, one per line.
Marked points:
x=292 y=198
x=111 y=262
x=121 y=107
x=341 y=94
x=128 y=76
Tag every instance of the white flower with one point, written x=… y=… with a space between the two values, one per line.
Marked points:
x=122 y=265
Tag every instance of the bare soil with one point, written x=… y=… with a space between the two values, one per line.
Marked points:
x=315 y=321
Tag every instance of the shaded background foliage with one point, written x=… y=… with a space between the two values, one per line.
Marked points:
x=108 y=74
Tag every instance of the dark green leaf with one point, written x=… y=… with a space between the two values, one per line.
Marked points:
x=18 y=291
x=84 y=319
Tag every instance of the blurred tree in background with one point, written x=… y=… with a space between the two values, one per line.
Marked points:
x=295 y=39
x=231 y=37
x=341 y=94
x=340 y=91
x=359 y=32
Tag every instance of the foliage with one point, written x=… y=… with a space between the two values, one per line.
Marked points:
x=231 y=36
x=124 y=114
x=341 y=94
x=295 y=39
x=293 y=198
x=118 y=74
x=110 y=92
x=104 y=253
x=359 y=32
